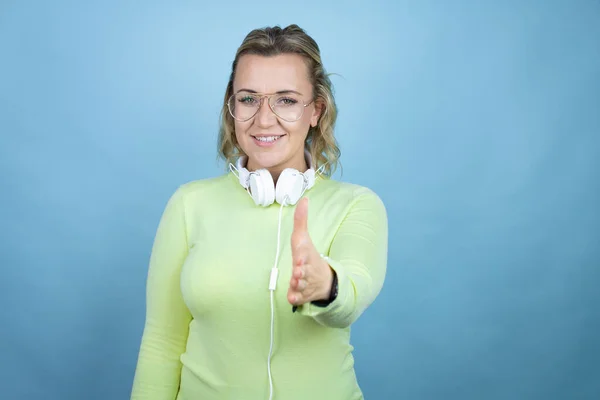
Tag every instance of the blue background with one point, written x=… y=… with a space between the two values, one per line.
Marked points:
x=478 y=124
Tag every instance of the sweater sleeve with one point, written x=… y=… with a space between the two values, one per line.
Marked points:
x=165 y=332
x=358 y=255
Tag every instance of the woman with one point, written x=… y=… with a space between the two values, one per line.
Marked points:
x=251 y=291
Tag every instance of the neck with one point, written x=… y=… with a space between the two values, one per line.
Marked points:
x=276 y=170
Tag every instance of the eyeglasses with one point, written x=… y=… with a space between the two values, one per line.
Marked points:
x=245 y=105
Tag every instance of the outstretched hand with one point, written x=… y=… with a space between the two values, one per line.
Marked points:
x=311 y=275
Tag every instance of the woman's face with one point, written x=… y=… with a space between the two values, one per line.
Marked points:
x=269 y=75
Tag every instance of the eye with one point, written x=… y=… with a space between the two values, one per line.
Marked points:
x=247 y=100
x=286 y=101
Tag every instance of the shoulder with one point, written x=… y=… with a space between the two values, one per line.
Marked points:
x=214 y=186
x=200 y=193
x=347 y=192
x=343 y=199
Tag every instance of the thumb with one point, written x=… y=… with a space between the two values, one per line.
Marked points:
x=301 y=217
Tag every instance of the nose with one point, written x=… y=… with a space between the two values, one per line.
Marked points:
x=265 y=116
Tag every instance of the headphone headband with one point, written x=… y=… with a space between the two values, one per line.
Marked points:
x=291 y=184
x=244 y=174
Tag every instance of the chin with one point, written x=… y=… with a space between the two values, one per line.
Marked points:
x=267 y=159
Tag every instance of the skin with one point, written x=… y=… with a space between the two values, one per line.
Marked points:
x=268 y=75
x=311 y=275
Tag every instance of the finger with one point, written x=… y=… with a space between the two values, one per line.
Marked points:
x=295 y=298
x=298 y=273
x=300 y=285
x=301 y=217
x=299 y=254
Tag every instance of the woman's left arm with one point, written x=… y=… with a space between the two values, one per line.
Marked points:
x=358 y=256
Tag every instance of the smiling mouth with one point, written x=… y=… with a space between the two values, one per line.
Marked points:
x=268 y=139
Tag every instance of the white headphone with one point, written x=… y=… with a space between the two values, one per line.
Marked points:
x=290 y=187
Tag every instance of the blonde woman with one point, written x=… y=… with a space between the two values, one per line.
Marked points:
x=256 y=276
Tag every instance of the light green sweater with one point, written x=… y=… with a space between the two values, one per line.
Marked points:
x=208 y=316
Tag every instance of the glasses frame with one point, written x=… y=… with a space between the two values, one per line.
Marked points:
x=268 y=96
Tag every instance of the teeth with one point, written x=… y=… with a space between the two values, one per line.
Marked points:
x=267 y=138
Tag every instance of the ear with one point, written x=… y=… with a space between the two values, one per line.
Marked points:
x=319 y=107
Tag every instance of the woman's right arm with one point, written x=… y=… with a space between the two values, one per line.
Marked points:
x=165 y=334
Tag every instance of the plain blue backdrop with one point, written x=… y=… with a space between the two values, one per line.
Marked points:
x=477 y=122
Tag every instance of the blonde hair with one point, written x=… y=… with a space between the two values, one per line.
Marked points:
x=272 y=41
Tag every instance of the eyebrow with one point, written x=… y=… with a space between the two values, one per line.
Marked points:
x=279 y=92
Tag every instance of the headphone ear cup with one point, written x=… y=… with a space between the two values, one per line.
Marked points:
x=290 y=187
x=262 y=188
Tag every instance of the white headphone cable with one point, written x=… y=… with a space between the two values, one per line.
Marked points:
x=272 y=286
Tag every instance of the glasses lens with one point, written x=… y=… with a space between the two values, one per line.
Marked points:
x=243 y=106
x=288 y=107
